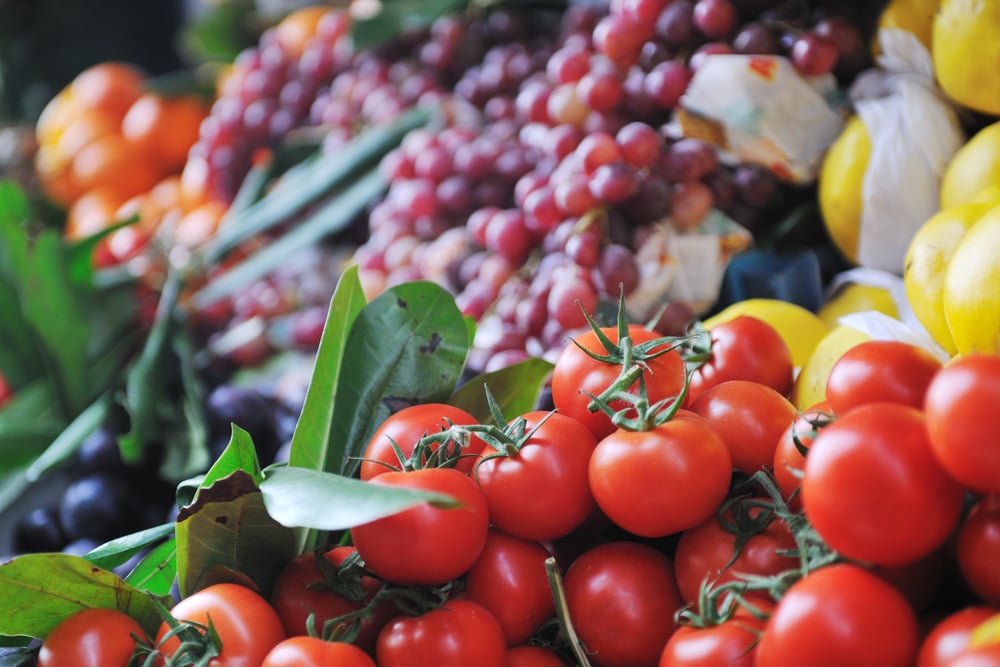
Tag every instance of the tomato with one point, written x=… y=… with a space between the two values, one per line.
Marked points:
x=576 y=374
x=528 y=655
x=708 y=551
x=247 y=625
x=510 y=581
x=658 y=482
x=750 y=417
x=91 y=638
x=789 y=462
x=987 y=656
x=460 y=634
x=877 y=371
x=426 y=545
x=840 y=615
x=745 y=348
x=405 y=428
x=315 y=652
x=963 y=420
x=950 y=636
x=978 y=549
x=873 y=489
x=732 y=643
x=919 y=581
x=541 y=492
x=622 y=598
x=302 y=589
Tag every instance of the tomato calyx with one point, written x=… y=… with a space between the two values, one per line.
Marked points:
x=443 y=449
x=817 y=419
x=199 y=645
x=562 y=613
x=697 y=348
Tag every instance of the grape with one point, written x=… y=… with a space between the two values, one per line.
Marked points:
x=667 y=82
x=617 y=269
x=640 y=144
x=852 y=54
x=597 y=149
x=565 y=106
x=755 y=39
x=507 y=234
x=644 y=11
x=568 y=65
x=573 y=195
x=813 y=55
x=675 y=24
x=614 y=182
x=601 y=90
x=567 y=297
x=541 y=212
x=757 y=186
x=621 y=37
x=715 y=19
x=708 y=49
x=689 y=159
x=584 y=248
x=691 y=202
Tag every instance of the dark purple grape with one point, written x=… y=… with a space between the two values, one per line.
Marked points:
x=756 y=39
x=99 y=507
x=675 y=25
x=39 y=530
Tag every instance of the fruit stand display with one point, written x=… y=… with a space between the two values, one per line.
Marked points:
x=650 y=332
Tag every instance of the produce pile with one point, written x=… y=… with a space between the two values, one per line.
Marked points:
x=514 y=334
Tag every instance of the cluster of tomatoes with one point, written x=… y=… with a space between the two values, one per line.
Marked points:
x=675 y=510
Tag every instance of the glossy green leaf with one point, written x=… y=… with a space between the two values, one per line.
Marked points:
x=407 y=346
x=299 y=497
x=187 y=437
x=112 y=554
x=20 y=354
x=227 y=535
x=40 y=590
x=516 y=389
x=157 y=571
x=240 y=455
x=15 y=211
x=80 y=254
x=70 y=439
x=399 y=16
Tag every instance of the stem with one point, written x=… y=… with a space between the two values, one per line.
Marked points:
x=562 y=612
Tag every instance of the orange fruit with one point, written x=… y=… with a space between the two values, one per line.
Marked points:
x=110 y=161
x=164 y=128
x=83 y=130
x=295 y=30
x=199 y=224
x=108 y=86
x=53 y=171
x=91 y=212
x=55 y=116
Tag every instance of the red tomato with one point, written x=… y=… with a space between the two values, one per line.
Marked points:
x=91 y=638
x=919 y=581
x=873 y=489
x=426 y=545
x=315 y=652
x=460 y=634
x=745 y=348
x=987 y=656
x=789 y=462
x=527 y=655
x=979 y=549
x=659 y=482
x=576 y=374
x=750 y=417
x=247 y=625
x=541 y=491
x=732 y=643
x=963 y=420
x=302 y=589
x=950 y=636
x=708 y=551
x=878 y=371
x=840 y=615
x=405 y=428
x=622 y=598
x=510 y=581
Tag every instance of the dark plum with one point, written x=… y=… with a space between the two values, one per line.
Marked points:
x=39 y=530
x=99 y=507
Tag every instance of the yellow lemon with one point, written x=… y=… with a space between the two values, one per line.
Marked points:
x=927 y=259
x=840 y=181
x=973 y=168
x=810 y=385
x=971 y=295
x=855 y=298
x=966 y=49
x=917 y=16
x=800 y=328
x=988 y=195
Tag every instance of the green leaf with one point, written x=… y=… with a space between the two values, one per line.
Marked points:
x=312 y=431
x=157 y=571
x=407 y=346
x=112 y=554
x=298 y=497
x=40 y=590
x=69 y=440
x=240 y=455
x=187 y=438
x=20 y=355
x=15 y=211
x=312 y=180
x=401 y=15
x=326 y=219
x=80 y=254
x=227 y=535
x=515 y=388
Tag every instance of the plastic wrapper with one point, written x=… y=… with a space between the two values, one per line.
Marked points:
x=759 y=109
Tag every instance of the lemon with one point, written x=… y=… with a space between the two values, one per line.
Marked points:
x=966 y=48
x=854 y=298
x=973 y=168
x=840 y=186
x=917 y=16
x=971 y=297
x=810 y=385
x=988 y=195
x=800 y=328
x=927 y=259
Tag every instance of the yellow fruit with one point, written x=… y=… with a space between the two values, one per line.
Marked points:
x=927 y=260
x=840 y=181
x=810 y=385
x=855 y=298
x=988 y=195
x=971 y=297
x=972 y=169
x=800 y=328
x=917 y=16
x=966 y=49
